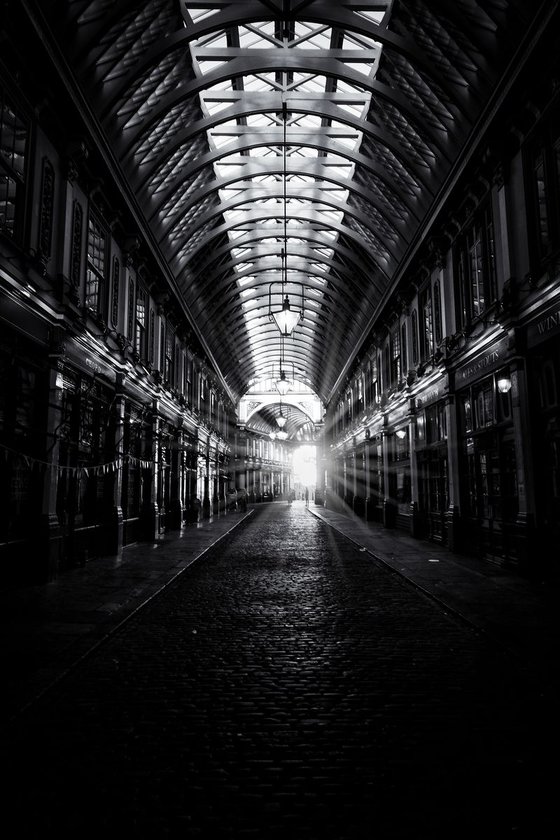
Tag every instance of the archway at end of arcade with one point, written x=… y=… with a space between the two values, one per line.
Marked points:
x=305 y=471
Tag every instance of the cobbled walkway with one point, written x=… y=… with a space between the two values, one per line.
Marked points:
x=285 y=686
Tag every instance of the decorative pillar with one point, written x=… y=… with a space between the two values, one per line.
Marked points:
x=206 y=506
x=174 y=517
x=525 y=521
x=359 y=481
x=415 y=525
x=114 y=524
x=389 y=506
x=149 y=508
x=452 y=516
x=49 y=536
x=215 y=481
x=368 y=501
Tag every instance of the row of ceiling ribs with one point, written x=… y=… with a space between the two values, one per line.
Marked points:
x=348 y=117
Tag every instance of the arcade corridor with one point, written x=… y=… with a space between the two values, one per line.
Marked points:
x=289 y=682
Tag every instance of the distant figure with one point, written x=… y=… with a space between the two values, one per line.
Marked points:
x=232 y=499
x=194 y=508
x=306 y=497
x=242 y=500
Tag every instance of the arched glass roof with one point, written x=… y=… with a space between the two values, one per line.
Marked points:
x=310 y=136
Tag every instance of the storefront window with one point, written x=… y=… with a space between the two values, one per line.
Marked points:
x=436 y=421
x=484 y=405
x=466 y=413
x=421 y=427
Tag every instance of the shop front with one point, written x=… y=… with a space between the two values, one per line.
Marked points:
x=543 y=359
x=488 y=461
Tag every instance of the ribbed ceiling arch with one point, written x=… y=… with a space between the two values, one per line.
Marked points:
x=245 y=129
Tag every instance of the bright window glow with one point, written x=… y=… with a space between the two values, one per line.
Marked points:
x=305 y=465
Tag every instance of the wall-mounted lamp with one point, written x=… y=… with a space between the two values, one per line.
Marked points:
x=504 y=384
x=401 y=434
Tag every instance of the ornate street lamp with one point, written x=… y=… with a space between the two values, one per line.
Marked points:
x=286 y=318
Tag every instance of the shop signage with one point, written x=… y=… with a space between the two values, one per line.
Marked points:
x=92 y=366
x=431 y=395
x=396 y=417
x=545 y=327
x=492 y=357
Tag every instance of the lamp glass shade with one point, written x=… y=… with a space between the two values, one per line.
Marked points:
x=281 y=421
x=401 y=434
x=504 y=384
x=286 y=318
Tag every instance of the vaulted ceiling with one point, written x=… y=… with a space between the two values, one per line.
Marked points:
x=272 y=147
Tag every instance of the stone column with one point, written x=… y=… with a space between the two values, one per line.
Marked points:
x=452 y=516
x=174 y=518
x=525 y=520
x=389 y=506
x=206 y=505
x=49 y=537
x=149 y=508
x=114 y=524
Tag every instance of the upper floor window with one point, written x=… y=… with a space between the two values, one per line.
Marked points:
x=96 y=266
x=437 y=314
x=348 y=414
x=359 y=396
x=169 y=358
x=395 y=356
x=545 y=198
x=404 y=351
x=14 y=135
x=188 y=383
x=414 y=331
x=372 y=392
x=476 y=268
x=426 y=335
x=140 y=325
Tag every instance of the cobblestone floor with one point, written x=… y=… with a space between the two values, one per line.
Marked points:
x=287 y=685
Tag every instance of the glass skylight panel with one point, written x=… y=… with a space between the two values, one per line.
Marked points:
x=340 y=171
x=338 y=195
x=359 y=67
x=256 y=83
x=206 y=66
x=260 y=120
x=306 y=121
x=335 y=216
x=356 y=109
x=251 y=39
x=374 y=17
x=347 y=87
x=199 y=14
